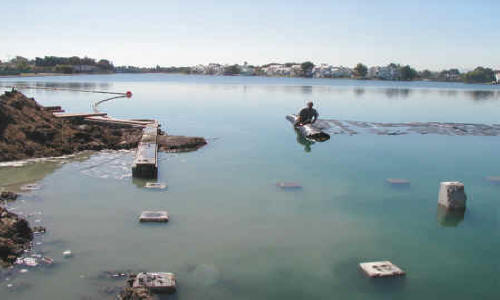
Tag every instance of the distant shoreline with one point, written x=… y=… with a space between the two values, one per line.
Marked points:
x=30 y=75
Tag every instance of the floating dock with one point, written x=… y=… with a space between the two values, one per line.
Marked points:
x=146 y=159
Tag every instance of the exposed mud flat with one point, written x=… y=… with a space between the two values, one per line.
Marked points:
x=451 y=129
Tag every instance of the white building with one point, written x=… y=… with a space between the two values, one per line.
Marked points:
x=329 y=71
x=390 y=72
x=497 y=76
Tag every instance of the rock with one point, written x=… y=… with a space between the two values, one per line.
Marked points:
x=8 y=196
x=171 y=143
x=39 y=229
x=452 y=195
x=15 y=236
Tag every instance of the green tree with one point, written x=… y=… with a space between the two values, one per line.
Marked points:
x=360 y=70
x=232 y=70
x=407 y=73
x=480 y=75
x=307 y=68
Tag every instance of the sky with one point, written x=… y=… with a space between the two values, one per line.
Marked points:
x=434 y=35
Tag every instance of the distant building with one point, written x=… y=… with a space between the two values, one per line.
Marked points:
x=497 y=76
x=390 y=72
x=329 y=71
x=84 y=69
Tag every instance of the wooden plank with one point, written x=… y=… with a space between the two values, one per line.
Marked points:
x=117 y=121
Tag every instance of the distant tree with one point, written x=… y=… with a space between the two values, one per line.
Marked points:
x=360 y=70
x=88 y=61
x=426 y=74
x=74 y=60
x=105 y=65
x=232 y=70
x=480 y=75
x=407 y=73
x=307 y=68
x=66 y=69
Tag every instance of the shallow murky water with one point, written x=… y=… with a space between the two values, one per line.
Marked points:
x=233 y=234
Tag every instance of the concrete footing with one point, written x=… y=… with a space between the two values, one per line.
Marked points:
x=156 y=282
x=452 y=195
x=381 y=269
x=153 y=216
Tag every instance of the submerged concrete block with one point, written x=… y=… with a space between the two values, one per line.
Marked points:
x=381 y=269
x=155 y=185
x=452 y=195
x=493 y=179
x=156 y=282
x=154 y=216
x=398 y=182
x=288 y=185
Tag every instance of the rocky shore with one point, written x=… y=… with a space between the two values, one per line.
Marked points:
x=15 y=234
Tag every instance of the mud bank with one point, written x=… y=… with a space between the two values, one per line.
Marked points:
x=28 y=131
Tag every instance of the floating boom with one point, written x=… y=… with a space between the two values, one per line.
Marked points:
x=308 y=131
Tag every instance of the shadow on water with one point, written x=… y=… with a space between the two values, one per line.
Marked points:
x=304 y=142
x=448 y=218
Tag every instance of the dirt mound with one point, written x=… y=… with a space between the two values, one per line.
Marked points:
x=27 y=131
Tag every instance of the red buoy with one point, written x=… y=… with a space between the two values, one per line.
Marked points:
x=128 y=94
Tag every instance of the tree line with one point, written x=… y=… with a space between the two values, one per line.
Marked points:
x=75 y=64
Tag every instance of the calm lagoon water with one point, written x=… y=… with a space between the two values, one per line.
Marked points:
x=233 y=234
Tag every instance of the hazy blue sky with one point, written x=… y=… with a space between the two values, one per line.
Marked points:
x=426 y=34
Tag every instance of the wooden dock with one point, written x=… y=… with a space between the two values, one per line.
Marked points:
x=145 y=164
x=78 y=115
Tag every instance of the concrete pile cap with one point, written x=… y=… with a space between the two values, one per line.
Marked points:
x=397 y=181
x=154 y=216
x=156 y=282
x=452 y=195
x=381 y=269
x=155 y=185
x=288 y=185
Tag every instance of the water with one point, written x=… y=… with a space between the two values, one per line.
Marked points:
x=233 y=234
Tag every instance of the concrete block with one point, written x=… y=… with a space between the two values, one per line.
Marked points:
x=156 y=282
x=288 y=185
x=452 y=195
x=398 y=182
x=155 y=185
x=493 y=179
x=381 y=269
x=154 y=216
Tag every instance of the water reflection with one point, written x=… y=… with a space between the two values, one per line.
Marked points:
x=304 y=142
x=481 y=95
x=397 y=93
x=449 y=218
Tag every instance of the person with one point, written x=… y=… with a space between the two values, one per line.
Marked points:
x=307 y=115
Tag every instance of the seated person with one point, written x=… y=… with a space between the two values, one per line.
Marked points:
x=307 y=115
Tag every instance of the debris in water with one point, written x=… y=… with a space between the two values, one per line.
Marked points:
x=381 y=269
